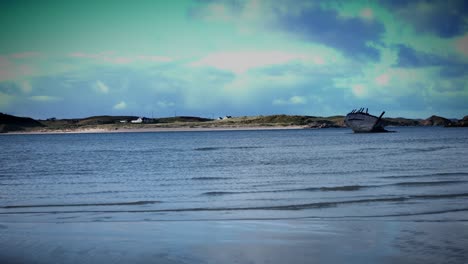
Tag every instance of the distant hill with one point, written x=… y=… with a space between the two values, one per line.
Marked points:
x=287 y=120
x=464 y=121
x=400 y=121
x=10 y=123
x=280 y=119
x=181 y=119
x=436 y=121
x=460 y=123
x=101 y=120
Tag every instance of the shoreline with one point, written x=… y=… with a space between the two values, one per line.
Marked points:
x=151 y=130
x=247 y=241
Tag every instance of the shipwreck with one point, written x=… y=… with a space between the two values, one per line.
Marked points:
x=360 y=121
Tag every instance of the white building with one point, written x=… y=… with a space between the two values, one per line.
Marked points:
x=138 y=121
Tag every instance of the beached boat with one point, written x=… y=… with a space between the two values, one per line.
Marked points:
x=361 y=121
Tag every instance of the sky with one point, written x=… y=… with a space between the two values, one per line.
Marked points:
x=73 y=59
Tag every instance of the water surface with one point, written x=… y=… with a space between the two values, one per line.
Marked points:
x=324 y=183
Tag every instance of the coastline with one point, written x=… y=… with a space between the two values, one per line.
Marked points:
x=125 y=124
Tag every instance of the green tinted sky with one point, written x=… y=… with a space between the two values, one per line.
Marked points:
x=75 y=58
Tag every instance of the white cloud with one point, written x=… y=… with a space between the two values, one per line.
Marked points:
x=45 y=98
x=295 y=100
x=120 y=106
x=298 y=100
x=101 y=87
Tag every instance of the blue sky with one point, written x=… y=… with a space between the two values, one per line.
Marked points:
x=212 y=58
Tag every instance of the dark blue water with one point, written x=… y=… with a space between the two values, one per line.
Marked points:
x=415 y=175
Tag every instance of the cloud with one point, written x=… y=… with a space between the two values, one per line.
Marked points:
x=101 y=87
x=110 y=57
x=45 y=98
x=408 y=57
x=454 y=71
x=242 y=61
x=449 y=66
x=313 y=21
x=350 y=35
x=246 y=16
x=445 y=19
x=294 y=100
x=293 y=87
x=120 y=106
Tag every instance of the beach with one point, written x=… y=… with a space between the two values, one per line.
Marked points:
x=235 y=196
x=153 y=129
x=247 y=241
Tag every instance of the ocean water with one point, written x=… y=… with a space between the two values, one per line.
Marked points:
x=292 y=185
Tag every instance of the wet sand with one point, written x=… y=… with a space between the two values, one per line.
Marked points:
x=265 y=241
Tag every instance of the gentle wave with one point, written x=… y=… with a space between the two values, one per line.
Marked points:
x=338 y=188
x=80 y=205
x=220 y=148
x=427 y=183
x=463 y=174
x=291 y=207
x=221 y=193
x=209 y=178
x=102 y=192
x=422 y=213
x=341 y=188
x=136 y=151
x=335 y=188
x=428 y=149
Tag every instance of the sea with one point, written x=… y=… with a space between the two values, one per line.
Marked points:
x=257 y=196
